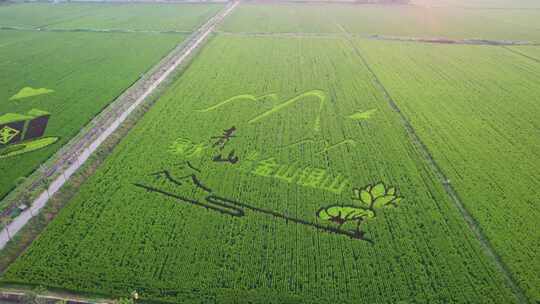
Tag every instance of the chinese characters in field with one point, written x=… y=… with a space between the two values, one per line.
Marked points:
x=306 y=176
x=252 y=163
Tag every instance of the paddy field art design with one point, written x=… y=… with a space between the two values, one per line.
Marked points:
x=271 y=153
x=24 y=133
x=189 y=188
x=367 y=202
x=27 y=92
x=363 y=115
x=184 y=182
x=317 y=96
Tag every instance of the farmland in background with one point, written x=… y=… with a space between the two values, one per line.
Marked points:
x=144 y=17
x=116 y=236
x=478 y=119
x=40 y=14
x=408 y=21
x=85 y=70
x=494 y=4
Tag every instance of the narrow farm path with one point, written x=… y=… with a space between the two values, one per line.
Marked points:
x=445 y=182
x=84 y=148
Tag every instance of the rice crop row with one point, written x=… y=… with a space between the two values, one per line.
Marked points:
x=476 y=108
x=272 y=171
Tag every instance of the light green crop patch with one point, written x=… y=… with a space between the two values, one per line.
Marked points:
x=30 y=92
x=27 y=147
x=363 y=115
x=318 y=94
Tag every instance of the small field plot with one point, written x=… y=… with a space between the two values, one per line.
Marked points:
x=272 y=171
x=160 y=17
x=453 y=23
x=69 y=77
x=387 y=20
x=477 y=109
x=41 y=14
x=283 y=18
x=150 y=17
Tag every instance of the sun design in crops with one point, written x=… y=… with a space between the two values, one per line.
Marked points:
x=7 y=134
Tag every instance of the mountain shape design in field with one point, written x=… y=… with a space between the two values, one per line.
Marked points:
x=320 y=97
x=30 y=92
x=314 y=96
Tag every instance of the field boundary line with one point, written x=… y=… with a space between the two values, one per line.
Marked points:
x=281 y=35
x=426 y=40
x=90 y=30
x=83 y=148
x=520 y=54
x=445 y=182
x=451 y=41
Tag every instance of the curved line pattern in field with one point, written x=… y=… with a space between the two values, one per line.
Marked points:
x=238 y=98
x=341 y=143
x=316 y=93
x=28 y=147
x=321 y=95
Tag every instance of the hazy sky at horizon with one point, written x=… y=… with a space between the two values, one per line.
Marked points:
x=483 y=3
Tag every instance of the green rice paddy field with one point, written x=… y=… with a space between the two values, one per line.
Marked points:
x=477 y=119
x=285 y=168
x=86 y=70
x=143 y=17
x=404 y=21
x=94 y=245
